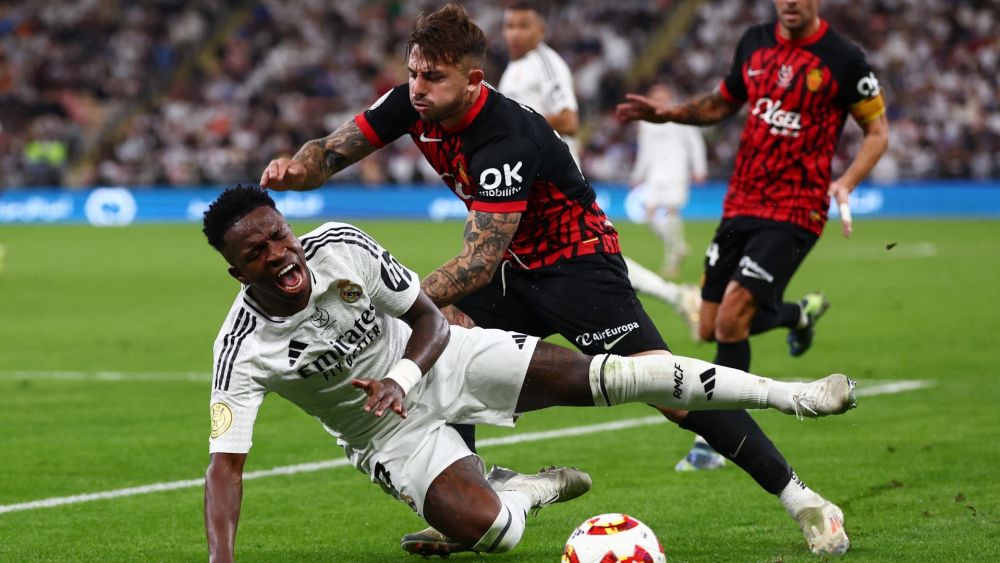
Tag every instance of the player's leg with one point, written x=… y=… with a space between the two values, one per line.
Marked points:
x=557 y=376
x=494 y=307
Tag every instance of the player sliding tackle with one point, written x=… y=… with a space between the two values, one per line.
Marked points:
x=336 y=325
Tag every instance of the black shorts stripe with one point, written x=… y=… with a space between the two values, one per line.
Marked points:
x=503 y=532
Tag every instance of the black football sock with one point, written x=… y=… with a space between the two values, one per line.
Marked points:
x=788 y=316
x=733 y=354
x=738 y=437
x=468 y=434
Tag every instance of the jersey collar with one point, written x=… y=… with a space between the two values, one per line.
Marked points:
x=472 y=113
x=803 y=41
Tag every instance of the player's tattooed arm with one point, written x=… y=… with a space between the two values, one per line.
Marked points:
x=704 y=110
x=487 y=236
x=318 y=159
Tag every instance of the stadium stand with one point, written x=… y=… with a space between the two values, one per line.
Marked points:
x=177 y=92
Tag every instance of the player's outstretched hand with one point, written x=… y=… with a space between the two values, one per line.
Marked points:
x=842 y=193
x=284 y=174
x=638 y=107
x=383 y=394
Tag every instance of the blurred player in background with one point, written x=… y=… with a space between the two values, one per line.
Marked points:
x=539 y=255
x=539 y=78
x=670 y=156
x=800 y=80
x=536 y=75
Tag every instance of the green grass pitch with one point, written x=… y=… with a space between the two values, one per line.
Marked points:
x=99 y=328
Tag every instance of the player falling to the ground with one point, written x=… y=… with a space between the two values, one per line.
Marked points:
x=800 y=80
x=539 y=78
x=669 y=157
x=335 y=324
x=539 y=255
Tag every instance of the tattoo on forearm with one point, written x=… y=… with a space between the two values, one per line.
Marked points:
x=705 y=110
x=487 y=236
x=331 y=154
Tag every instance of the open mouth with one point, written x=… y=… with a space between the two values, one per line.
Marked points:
x=291 y=278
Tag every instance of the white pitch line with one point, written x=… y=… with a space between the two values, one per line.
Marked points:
x=320 y=465
x=879 y=389
x=893 y=387
x=107 y=376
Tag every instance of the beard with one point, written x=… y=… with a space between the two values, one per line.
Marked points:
x=440 y=112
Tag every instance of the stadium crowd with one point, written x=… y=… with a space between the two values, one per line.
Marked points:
x=177 y=92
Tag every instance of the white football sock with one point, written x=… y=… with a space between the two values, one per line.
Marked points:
x=682 y=382
x=796 y=496
x=646 y=281
x=508 y=527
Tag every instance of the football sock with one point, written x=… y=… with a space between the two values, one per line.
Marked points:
x=646 y=281
x=733 y=354
x=736 y=435
x=796 y=496
x=468 y=434
x=789 y=315
x=508 y=527
x=676 y=382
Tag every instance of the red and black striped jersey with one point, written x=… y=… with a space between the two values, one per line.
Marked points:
x=799 y=94
x=503 y=157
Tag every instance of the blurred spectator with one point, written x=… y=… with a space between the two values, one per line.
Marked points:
x=180 y=92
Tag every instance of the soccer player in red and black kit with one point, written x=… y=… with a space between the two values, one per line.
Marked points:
x=800 y=80
x=539 y=254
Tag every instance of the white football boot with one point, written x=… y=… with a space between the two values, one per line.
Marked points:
x=823 y=527
x=833 y=394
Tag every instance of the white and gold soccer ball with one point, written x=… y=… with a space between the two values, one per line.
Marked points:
x=613 y=538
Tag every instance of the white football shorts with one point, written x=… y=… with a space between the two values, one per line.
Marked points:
x=475 y=381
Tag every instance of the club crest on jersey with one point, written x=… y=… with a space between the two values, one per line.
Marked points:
x=349 y=291
x=785 y=76
x=222 y=419
x=814 y=79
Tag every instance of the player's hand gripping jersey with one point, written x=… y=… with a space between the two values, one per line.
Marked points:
x=347 y=330
x=503 y=158
x=798 y=95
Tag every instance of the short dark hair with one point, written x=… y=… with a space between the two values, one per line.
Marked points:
x=448 y=36
x=231 y=206
x=525 y=5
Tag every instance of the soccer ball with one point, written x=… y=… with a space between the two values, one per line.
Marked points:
x=613 y=538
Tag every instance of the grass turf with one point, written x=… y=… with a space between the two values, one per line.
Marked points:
x=915 y=472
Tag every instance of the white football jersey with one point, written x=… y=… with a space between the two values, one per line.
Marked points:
x=348 y=330
x=669 y=153
x=541 y=80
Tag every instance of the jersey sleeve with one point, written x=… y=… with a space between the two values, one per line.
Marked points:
x=391 y=286
x=388 y=118
x=236 y=397
x=503 y=173
x=557 y=89
x=860 y=92
x=732 y=87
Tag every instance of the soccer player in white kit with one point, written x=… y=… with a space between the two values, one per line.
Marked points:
x=539 y=78
x=670 y=156
x=335 y=324
x=536 y=75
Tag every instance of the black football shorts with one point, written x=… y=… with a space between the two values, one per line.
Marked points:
x=760 y=254
x=588 y=300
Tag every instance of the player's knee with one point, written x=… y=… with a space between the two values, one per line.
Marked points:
x=706 y=331
x=506 y=530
